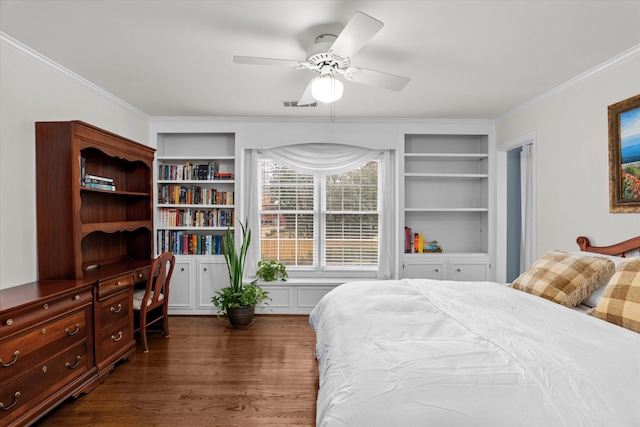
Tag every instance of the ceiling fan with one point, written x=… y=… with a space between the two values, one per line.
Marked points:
x=331 y=56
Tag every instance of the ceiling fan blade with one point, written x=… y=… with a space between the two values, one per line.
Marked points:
x=307 y=98
x=360 y=29
x=266 y=61
x=377 y=78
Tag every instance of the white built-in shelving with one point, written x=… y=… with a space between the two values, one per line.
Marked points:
x=200 y=267
x=446 y=199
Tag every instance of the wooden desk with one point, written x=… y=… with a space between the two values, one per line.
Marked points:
x=61 y=338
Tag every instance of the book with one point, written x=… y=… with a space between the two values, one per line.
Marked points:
x=418 y=242
x=100 y=186
x=98 y=179
x=82 y=170
x=407 y=240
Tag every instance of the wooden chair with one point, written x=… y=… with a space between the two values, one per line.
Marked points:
x=156 y=295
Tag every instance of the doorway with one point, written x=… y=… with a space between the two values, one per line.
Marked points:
x=516 y=220
x=514 y=214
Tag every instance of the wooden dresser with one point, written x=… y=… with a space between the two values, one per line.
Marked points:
x=46 y=347
x=61 y=338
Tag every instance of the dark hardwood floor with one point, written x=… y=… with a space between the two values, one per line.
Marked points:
x=207 y=374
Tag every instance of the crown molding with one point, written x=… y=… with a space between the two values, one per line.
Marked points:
x=625 y=56
x=290 y=119
x=14 y=44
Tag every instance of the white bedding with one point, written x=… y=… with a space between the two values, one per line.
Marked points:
x=437 y=353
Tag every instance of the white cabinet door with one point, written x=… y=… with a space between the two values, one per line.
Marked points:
x=180 y=289
x=212 y=276
x=468 y=271
x=424 y=270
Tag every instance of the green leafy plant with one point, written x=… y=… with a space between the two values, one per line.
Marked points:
x=237 y=295
x=269 y=271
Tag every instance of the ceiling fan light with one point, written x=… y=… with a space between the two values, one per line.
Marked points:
x=326 y=88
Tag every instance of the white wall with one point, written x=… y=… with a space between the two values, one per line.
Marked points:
x=33 y=91
x=573 y=163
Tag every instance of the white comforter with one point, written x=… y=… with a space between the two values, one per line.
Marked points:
x=436 y=353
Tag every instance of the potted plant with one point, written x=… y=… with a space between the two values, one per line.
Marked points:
x=238 y=301
x=269 y=271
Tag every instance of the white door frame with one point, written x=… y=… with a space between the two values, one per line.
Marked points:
x=501 y=202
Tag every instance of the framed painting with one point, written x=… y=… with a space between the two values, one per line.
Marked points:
x=624 y=155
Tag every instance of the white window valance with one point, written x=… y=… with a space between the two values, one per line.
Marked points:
x=321 y=159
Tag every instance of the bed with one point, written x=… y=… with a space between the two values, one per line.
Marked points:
x=417 y=352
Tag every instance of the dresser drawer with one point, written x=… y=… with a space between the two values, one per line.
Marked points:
x=21 y=352
x=13 y=321
x=141 y=275
x=114 y=309
x=115 y=338
x=110 y=286
x=27 y=391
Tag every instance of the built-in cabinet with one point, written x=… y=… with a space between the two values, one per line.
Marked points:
x=196 y=205
x=446 y=200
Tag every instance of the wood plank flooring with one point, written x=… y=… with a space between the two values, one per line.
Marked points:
x=207 y=374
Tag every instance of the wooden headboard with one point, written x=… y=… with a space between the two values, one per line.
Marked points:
x=617 y=249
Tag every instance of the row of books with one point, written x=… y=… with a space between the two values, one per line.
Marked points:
x=193 y=195
x=189 y=171
x=94 y=181
x=182 y=243
x=415 y=243
x=168 y=217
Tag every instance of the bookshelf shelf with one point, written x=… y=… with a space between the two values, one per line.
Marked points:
x=187 y=228
x=446 y=156
x=114 y=227
x=196 y=181
x=115 y=192
x=186 y=158
x=195 y=206
x=446 y=209
x=447 y=175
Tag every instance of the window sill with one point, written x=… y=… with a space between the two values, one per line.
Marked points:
x=311 y=281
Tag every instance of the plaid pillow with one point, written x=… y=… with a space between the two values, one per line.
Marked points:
x=620 y=303
x=564 y=278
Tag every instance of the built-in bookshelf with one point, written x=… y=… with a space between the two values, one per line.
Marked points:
x=446 y=203
x=195 y=192
x=195 y=181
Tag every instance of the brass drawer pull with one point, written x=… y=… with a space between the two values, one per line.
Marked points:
x=118 y=338
x=116 y=310
x=70 y=366
x=140 y=276
x=71 y=333
x=76 y=298
x=119 y=283
x=13 y=360
x=9 y=322
x=15 y=400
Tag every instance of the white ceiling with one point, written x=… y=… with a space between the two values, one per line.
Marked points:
x=466 y=59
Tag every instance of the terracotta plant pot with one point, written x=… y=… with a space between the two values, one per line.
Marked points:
x=241 y=316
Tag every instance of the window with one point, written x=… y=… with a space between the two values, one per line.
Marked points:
x=320 y=223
